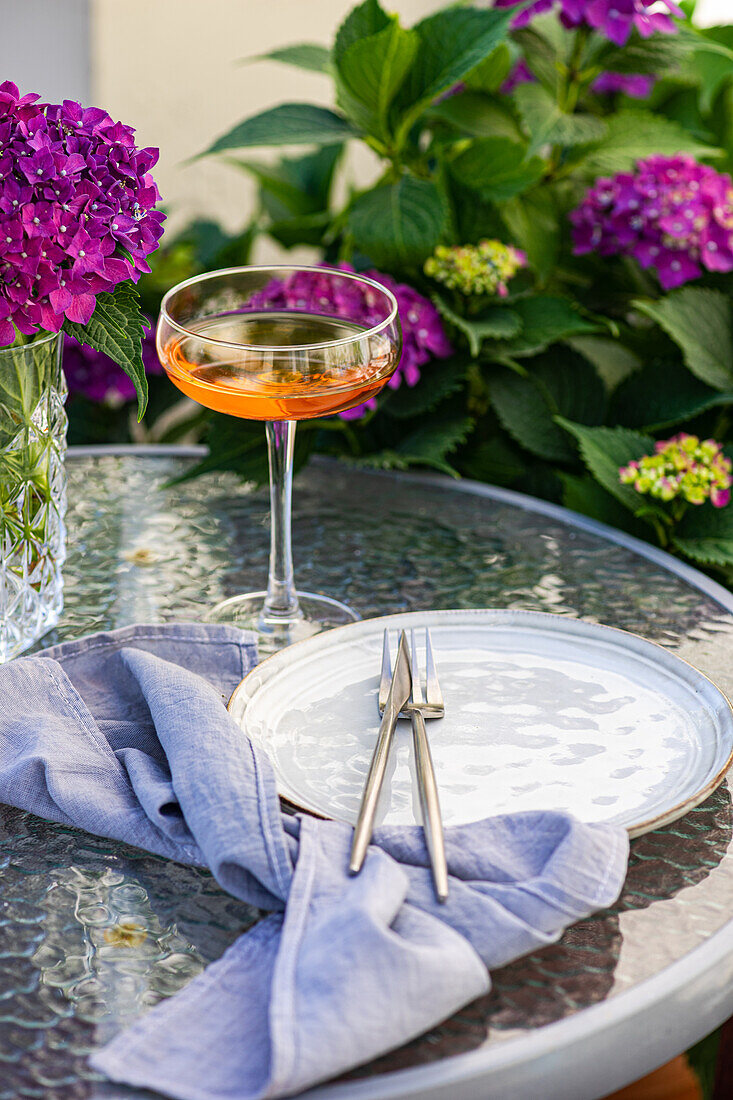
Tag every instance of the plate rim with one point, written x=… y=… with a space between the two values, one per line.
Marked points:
x=666 y=817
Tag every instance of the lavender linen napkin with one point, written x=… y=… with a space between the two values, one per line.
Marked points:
x=125 y=735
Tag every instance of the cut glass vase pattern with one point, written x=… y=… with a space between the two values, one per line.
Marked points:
x=32 y=492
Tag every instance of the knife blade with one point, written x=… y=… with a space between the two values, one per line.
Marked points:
x=399 y=693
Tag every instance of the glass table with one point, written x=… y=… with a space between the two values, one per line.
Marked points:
x=92 y=932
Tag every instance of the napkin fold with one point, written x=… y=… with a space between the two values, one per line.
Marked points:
x=125 y=735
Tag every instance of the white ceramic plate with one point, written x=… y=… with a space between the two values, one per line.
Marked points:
x=542 y=712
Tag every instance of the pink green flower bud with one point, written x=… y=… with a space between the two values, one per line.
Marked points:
x=682 y=467
x=483 y=268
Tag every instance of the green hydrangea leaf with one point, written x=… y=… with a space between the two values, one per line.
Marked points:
x=490 y=74
x=523 y=410
x=116 y=329
x=661 y=53
x=475 y=115
x=612 y=359
x=699 y=322
x=571 y=384
x=452 y=43
x=362 y=21
x=708 y=60
x=295 y=185
x=370 y=71
x=279 y=196
x=541 y=480
x=303 y=229
x=287 y=124
x=209 y=243
x=705 y=534
x=584 y=495
x=540 y=54
x=605 y=450
x=560 y=383
x=494 y=461
x=240 y=446
x=398 y=225
x=663 y=394
x=236 y=251
x=428 y=446
x=711 y=71
x=439 y=379
x=633 y=134
x=304 y=55
x=476 y=219
x=498 y=168
x=546 y=124
x=534 y=224
x=545 y=320
x=494 y=322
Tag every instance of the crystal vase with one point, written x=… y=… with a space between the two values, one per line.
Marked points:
x=32 y=491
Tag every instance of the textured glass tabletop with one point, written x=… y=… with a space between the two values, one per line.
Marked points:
x=92 y=932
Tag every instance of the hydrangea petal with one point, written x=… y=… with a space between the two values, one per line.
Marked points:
x=615 y=19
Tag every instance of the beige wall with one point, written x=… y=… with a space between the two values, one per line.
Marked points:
x=169 y=68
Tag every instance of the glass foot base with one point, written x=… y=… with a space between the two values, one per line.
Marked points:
x=317 y=613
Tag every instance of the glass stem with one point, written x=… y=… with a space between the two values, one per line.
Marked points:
x=281 y=601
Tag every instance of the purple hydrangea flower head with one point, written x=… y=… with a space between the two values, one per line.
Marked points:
x=97 y=377
x=423 y=335
x=615 y=19
x=672 y=214
x=635 y=85
x=77 y=211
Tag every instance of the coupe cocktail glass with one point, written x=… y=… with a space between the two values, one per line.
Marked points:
x=280 y=344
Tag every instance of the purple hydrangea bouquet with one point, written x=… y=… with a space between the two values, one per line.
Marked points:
x=77 y=221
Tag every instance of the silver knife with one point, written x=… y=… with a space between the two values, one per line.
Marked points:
x=399 y=693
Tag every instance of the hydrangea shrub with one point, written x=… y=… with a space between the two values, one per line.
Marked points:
x=553 y=210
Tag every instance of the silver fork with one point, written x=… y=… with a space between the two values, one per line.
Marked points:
x=418 y=709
